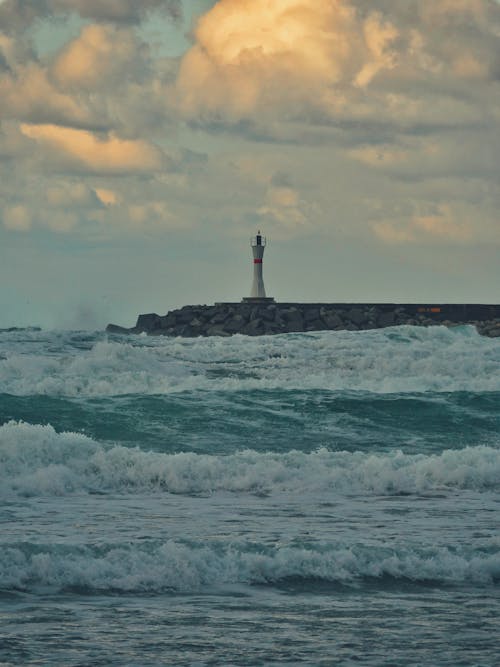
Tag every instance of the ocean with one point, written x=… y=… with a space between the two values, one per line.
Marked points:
x=326 y=498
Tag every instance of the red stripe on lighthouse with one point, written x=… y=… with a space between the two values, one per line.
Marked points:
x=257 y=261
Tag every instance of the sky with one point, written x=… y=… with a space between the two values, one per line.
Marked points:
x=143 y=143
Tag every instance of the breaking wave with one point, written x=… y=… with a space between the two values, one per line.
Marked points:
x=400 y=359
x=188 y=567
x=35 y=460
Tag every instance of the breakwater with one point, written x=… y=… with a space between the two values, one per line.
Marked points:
x=259 y=318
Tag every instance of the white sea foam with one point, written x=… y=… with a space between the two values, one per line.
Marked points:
x=401 y=359
x=35 y=460
x=185 y=567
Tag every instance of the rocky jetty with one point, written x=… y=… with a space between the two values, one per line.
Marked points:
x=264 y=318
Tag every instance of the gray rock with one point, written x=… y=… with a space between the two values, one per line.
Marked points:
x=268 y=314
x=357 y=316
x=148 y=322
x=115 y=329
x=217 y=330
x=332 y=320
x=311 y=315
x=219 y=317
x=254 y=328
x=234 y=325
x=294 y=319
x=386 y=319
x=260 y=318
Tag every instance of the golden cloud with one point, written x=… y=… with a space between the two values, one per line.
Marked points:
x=102 y=156
x=107 y=197
x=27 y=93
x=96 y=57
x=253 y=53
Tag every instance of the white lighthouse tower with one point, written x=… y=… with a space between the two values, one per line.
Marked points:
x=258 y=292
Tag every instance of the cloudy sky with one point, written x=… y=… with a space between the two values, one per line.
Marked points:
x=143 y=143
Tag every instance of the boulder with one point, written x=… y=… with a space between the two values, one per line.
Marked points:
x=493 y=333
x=268 y=314
x=148 y=322
x=357 y=316
x=217 y=330
x=255 y=319
x=311 y=315
x=234 y=325
x=331 y=319
x=294 y=319
x=219 y=317
x=386 y=319
x=254 y=328
x=115 y=329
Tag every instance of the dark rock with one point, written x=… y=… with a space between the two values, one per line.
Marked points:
x=217 y=330
x=234 y=325
x=357 y=316
x=315 y=325
x=148 y=322
x=386 y=319
x=219 y=318
x=294 y=319
x=331 y=319
x=114 y=328
x=263 y=318
x=311 y=315
x=268 y=314
x=254 y=328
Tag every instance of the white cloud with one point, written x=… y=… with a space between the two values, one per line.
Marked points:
x=17 y=218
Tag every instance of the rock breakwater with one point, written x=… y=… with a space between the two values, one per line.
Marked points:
x=257 y=319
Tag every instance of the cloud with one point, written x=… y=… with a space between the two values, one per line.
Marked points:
x=151 y=214
x=83 y=151
x=120 y=11
x=19 y=14
x=13 y=144
x=17 y=218
x=104 y=79
x=99 y=57
x=350 y=119
x=250 y=56
x=441 y=224
x=28 y=93
x=107 y=197
x=340 y=61
x=65 y=194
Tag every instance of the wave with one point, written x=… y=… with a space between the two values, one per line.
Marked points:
x=35 y=460
x=400 y=359
x=189 y=567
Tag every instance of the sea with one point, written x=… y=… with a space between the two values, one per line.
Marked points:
x=327 y=498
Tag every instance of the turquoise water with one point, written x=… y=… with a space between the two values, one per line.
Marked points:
x=317 y=499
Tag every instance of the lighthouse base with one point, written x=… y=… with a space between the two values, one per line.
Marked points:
x=258 y=299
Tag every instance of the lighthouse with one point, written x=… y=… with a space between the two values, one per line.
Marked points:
x=258 y=292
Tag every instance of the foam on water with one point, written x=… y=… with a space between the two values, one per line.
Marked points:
x=401 y=359
x=35 y=460
x=188 y=567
